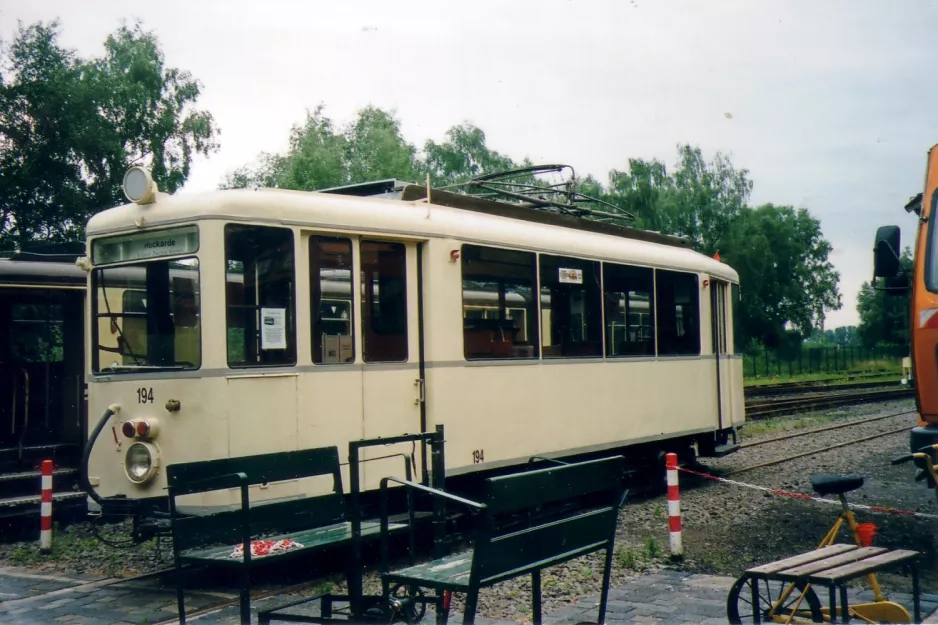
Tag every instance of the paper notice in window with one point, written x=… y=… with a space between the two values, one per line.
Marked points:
x=273 y=328
x=571 y=276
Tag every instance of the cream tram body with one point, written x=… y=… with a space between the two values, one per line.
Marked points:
x=253 y=343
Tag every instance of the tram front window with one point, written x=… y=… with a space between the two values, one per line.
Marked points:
x=147 y=316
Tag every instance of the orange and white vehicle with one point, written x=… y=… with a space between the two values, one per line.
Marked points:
x=923 y=284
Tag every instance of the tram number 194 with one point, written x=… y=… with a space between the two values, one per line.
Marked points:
x=144 y=395
x=478 y=456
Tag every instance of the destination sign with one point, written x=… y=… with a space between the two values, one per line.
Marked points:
x=171 y=242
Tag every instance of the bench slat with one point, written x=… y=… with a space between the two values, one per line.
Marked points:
x=543 y=545
x=451 y=572
x=281 y=516
x=850 y=571
x=511 y=493
x=334 y=535
x=260 y=468
x=831 y=562
x=804 y=558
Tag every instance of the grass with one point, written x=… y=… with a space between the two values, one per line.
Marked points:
x=882 y=369
x=783 y=424
x=65 y=546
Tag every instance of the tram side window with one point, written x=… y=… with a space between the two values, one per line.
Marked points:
x=678 y=313
x=571 y=308
x=330 y=274
x=260 y=296
x=384 y=301
x=36 y=332
x=630 y=328
x=499 y=308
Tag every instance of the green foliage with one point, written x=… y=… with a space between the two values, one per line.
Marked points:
x=779 y=252
x=70 y=127
x=322 y=156
x=652 y=548
x=884 y=318
x=784 y=270
x=786 y=277
x=463 y=155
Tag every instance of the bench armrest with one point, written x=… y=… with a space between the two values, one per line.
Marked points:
x=385 y=557
x=433 y=491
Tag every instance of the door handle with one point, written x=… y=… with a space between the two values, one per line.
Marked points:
x=421 y=391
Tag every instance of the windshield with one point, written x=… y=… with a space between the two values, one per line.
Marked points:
x=147 y=316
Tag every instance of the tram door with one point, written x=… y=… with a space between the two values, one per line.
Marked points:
x=392 y=385
x=718 y=298
x=41 y=364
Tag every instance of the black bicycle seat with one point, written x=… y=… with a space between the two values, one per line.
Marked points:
x=835 y=484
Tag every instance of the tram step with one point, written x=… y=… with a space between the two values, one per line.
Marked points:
x=15 y=484
x=29 y=504
x=12 y=458
x=724 y=450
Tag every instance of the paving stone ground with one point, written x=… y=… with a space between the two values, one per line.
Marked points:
x=669 y=596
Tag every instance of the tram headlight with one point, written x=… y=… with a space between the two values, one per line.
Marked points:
x=141 y=462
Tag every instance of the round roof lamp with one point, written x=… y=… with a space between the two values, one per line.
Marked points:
x=138 y=185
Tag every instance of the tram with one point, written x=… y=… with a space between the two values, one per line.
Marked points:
x=270 y=320
x=922 y=286
x=42 y=376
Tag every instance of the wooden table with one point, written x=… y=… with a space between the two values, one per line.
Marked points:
x=835 y=565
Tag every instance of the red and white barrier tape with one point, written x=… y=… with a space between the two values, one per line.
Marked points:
x=805 y=497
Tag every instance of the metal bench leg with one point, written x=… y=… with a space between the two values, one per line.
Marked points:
x=472 y=603
x=536 y=597
x=844 y=610
x=245 y=596
x=832 y=593
x=604 y=593
x=181 y=594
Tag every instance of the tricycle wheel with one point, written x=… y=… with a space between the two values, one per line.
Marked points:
x=408 y=603
x=739 y=607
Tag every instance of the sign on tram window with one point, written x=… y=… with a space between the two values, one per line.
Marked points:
x=142 y=245
x=274 y=328
x=571 y=276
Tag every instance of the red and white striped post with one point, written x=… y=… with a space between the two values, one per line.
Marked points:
x=45 y=533
x=674 y=507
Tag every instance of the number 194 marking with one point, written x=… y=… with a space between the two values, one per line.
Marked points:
x=478 y=456
x=145 y=395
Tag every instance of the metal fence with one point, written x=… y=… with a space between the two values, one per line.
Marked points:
x=828 y=359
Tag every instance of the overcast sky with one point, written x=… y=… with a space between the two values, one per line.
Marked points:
x=833 y=106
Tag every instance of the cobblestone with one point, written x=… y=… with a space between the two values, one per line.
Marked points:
x=669 y=596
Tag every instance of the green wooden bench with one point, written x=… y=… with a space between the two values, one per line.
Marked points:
x=316 y=522
x=529 y=521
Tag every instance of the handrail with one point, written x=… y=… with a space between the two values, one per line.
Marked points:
x=25 y=412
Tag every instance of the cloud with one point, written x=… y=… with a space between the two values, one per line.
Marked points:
x=830 y=102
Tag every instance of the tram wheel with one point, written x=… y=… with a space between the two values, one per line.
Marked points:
x=739 y=608
x=408 y=603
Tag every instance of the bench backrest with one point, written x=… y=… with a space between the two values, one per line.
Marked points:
x=290 y=515
x=504 y=551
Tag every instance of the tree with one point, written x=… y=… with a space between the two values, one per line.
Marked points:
x=700 y=200
x=884 y=318
x=321 y=156
x=462 y=156
x=70 y=128
x=780 y=253
x=784 y=270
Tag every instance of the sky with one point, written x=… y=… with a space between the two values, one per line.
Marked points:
x=830 y=104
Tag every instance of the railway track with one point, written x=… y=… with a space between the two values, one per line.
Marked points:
x=763 y=409
x=794 y=388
